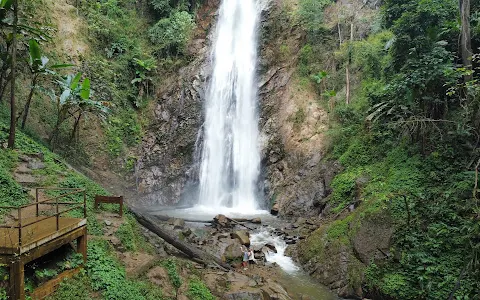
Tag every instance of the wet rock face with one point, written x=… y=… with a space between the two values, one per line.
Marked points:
x=166 y=155
x=168 y=147
x=334 y=265
x=166 y=171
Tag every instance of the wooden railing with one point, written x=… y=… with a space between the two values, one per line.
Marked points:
x=50 y=201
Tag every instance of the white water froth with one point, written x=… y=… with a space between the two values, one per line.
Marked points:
x=203 y=212
x=285 y=262
x=230 y=162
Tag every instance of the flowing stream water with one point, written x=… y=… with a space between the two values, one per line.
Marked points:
x=297 y=282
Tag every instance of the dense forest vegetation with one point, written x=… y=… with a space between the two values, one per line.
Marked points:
x=410 y=128
x=112 y=81
x=48 y=98
x=402 y=91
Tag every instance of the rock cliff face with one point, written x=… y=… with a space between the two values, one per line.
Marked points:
x=166 y=158
x=293 y=175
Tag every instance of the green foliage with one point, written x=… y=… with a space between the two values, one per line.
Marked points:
x=171 y=267
x=311 y=14
x=171 y=35
x=197 y=290
x=130 y=235
x=340 y=230
x=162 y=6
x=45 y=274
x=123 y=130
x=73 y=260
x=76 y=288
x=371 y=56
x=403 y=142
x=3 y=294
x=108 y=276
x=11 y=193
x=298 y=118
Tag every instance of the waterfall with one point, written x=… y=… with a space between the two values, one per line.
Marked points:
x=230 y=163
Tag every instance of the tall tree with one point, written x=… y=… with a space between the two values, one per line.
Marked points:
x=11 y=137
x=465 y=40
x=5 y=44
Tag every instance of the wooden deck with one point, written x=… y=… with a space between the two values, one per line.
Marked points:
x=34 y=235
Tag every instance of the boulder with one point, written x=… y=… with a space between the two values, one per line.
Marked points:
x=233 y=251
x=221 y=220
x=265 y=251
x=36 y=165
x=242 y=236
x=273 y=290
x=178 y=223
x=372 y=240
x=39 y=155
x=275 y=209
x=334 y=264
x=244 y=295
x=186 y=232
x=256 y=221
x=271 y=248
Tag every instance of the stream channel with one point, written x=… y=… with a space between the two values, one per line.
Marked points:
x=297 y=283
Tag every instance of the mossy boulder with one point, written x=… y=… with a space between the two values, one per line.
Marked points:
x=333 y=263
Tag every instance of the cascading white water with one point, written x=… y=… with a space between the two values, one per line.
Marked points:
x=230 y=163
x=265 y=237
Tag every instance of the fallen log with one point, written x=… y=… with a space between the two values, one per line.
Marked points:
x=163 y=218
x=191 y=251
x=238 y=223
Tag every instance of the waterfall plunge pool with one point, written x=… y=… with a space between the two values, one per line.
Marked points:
x=298 y=284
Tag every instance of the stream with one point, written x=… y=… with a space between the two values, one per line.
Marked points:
x=297 y=283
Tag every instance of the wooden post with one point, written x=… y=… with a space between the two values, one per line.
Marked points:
x=57 y=214
x=17 y=283
x=82 y=245
x=36 y=199
x=84 y=204
x=121 y=206
x=19 y=227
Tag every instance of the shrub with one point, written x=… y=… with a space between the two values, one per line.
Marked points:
x=109 y=277
x=171 y=267
x=171 y=34
x=197 y=290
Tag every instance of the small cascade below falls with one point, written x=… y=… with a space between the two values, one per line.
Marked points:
x=266 y=237
x=230 y=162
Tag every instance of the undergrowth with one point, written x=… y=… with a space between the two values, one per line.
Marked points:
x=109 y=277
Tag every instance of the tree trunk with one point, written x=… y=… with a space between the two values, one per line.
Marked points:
x=55 y=130
x=4 y=78
x=4 y=88
x=347 y=93
x=29 y=100
x=347 y=68
x=173 y=240
x=11 y=137
x=466 y=41
x=339 y=33
x=75 y=126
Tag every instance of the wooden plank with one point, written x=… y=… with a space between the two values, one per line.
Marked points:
x=36 y=234
x=51 y=286
x=54 y=244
